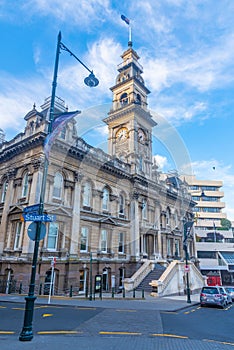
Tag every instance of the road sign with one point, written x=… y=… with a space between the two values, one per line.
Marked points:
x=186 y=268
x=36 y=217
x=32 y=228
x=32 y=209
x=53 y=262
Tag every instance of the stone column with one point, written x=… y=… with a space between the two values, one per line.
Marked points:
x=134 y=230
x=159 y=232
x=8 y=201
x=75 y=226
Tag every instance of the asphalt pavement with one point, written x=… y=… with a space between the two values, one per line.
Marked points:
x=94 y=341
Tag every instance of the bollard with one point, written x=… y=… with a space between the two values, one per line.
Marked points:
x=20 y=288
x=70 y=294
x=40 y=289
x=134 y=293
x=143 y=294
x=113 y=292
x=123 y=293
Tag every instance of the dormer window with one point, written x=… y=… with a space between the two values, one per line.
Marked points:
x=124 y=99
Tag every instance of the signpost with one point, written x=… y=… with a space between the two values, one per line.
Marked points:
x=53 y=262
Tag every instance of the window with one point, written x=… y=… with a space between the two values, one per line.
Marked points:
x=206 y=254
x=4 y=191
x=124 y=99
x=58 y=184
x=121 y=204
x=84 y=239
x=17 y=235
x=52 y=236
x=63 y=133
x=177 y=248
x=169 y=247
x=140 y=163
x=105 y=199
x=168 y=217
x=104 y=241
x=87 y=194
x=121 y=242
x=144 y=209
x=25 y=185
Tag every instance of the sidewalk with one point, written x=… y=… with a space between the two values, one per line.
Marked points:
x=169 y=303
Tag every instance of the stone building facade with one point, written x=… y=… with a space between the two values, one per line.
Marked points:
x=113 y=212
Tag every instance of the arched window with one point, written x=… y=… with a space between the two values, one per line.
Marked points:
x=87 y=194
x=138 y=99
x=4 y=191
x=121 y=204
x=25 y=185
x=52 y=236
x=58 y=185
x=144 y=209
x=124 y=99
x=105 y=199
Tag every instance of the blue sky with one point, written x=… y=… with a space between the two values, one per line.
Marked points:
x=186 y=49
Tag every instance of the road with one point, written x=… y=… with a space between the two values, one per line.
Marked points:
x=76 y=327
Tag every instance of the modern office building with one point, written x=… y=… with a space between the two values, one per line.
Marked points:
x=214 y=244
x=112 y=215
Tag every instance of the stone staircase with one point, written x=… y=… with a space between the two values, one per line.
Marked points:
x=155 y=274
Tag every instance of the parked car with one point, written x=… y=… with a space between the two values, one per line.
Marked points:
x=230 y=290
x=213 y=295
x=226 y=295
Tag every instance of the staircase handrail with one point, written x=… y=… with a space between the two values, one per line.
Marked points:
x=165 y=277
x=140 y=274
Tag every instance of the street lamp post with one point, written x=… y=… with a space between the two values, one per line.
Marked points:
x=187 y=225
x=91 y=81
x=90 y=277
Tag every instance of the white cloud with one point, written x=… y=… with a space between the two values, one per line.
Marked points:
x=161 y=162
x=17 y=98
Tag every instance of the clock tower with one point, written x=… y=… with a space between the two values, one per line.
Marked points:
x=129 y=121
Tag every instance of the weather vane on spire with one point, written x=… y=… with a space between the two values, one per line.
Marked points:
x=127 y=21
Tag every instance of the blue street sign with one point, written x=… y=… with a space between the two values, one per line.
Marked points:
x=32 y=208
x=36 y=217
x=32 y=229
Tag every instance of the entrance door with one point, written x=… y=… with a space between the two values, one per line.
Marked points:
x=83 y=281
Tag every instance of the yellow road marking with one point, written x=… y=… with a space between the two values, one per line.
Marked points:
x=169 y=335
x=7 y=332
x=187 y=312
x=59 y=332
x=125 y=310
x=169 y=312
x=47 y=315
x=17 y=308
x=86 y=308
x=2 y=307
x=119 y=333
x=219 y=342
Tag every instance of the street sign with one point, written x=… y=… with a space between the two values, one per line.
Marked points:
x=32 y=209
x=53 y=262
x=32 y=228
x=36 y=217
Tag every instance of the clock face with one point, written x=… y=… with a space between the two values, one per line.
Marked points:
x=122 y=134
x=141 y=136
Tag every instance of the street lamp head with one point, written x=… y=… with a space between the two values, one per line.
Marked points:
x=91 y=80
